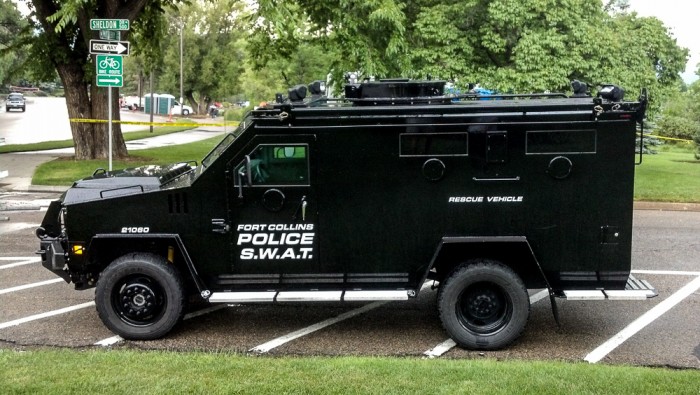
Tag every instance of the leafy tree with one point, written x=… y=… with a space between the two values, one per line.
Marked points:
x=11 y=25
x=680 y=115
x=544 y=44
x=361 y=34
x=213 y=57
x=60 y=43
x=508 y=45
x=309 y=62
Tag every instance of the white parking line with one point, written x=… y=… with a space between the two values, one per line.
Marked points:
x=265 y=347
x=24 y=261
x=449 y=344
x=641 y=322
x=16 y=258
x=667 y=272
x=109 y=341
x=116 y=339
x=274 y=343
x=440 y=349
x=45 y=315
x=32 y=285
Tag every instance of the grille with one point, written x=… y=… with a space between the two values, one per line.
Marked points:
x=177 y=203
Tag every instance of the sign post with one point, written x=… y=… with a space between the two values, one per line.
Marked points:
x=108 y=62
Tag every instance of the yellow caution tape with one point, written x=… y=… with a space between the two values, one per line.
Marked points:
x=193 y=124
x=668 y=138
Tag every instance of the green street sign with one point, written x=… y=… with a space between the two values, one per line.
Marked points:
x=109 y=24
x=109 y=70
x=110 y=35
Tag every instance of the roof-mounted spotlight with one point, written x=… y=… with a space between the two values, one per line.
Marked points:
x=297 y=93
x=611 y=93
x=317 y=87
x=580 y=88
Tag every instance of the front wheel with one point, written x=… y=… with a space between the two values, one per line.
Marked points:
x=484 y=305
x=140 y=297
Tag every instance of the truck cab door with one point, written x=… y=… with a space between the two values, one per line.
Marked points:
x=272 y=207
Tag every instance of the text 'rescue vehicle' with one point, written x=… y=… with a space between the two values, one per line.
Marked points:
x=367 y=198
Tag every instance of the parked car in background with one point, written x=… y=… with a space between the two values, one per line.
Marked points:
x=179 y=109
x=131 y=102
x=15 y=101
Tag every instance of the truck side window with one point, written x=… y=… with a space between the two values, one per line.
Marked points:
x=561 y=142
x=278 y=165
x=434 y=144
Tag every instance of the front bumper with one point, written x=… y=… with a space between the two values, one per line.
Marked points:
x=53 y=257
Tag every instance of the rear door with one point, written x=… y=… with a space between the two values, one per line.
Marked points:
x=272 y=207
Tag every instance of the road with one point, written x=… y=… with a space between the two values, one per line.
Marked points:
x=37 y=308
x=46 y=119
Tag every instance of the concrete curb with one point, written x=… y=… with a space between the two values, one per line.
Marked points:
x=666 y=206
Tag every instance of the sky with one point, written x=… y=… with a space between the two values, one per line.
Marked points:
x=678 y=15
x=681 y=17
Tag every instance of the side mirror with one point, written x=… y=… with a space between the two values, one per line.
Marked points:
x=248 y=171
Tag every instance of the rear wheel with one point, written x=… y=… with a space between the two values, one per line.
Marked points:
x=140 y=297
x=484 y=305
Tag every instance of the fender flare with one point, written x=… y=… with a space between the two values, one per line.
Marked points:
x=174 y=237
x=448 y=241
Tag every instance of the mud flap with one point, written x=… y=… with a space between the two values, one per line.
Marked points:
x=555 y=308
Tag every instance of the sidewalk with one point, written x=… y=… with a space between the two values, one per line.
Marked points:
x=21 y=166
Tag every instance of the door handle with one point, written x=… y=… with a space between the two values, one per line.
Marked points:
x=302 y=207
x=219 y=225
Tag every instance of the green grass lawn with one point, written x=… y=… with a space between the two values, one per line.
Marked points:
x=56 y=144
x=64 y=171
x=672 y=175
x=159 y=372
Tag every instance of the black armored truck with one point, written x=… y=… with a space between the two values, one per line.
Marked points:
x=366 y=198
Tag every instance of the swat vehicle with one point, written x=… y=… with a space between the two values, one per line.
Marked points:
x=368 y=198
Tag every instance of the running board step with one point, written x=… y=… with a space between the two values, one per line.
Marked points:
x=634 y=290
x=307 y=296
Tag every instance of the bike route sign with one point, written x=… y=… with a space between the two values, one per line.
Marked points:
x=110 y=69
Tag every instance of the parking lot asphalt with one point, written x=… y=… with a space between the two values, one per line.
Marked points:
x=39 y=309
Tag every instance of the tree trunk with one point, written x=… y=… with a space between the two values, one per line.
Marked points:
x=91 y=139
x=69 y=54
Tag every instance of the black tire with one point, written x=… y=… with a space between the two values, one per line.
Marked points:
x=484 y=305
x=140 y=297
x=185 y=112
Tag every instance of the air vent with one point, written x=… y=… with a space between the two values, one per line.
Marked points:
x=177 y=203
